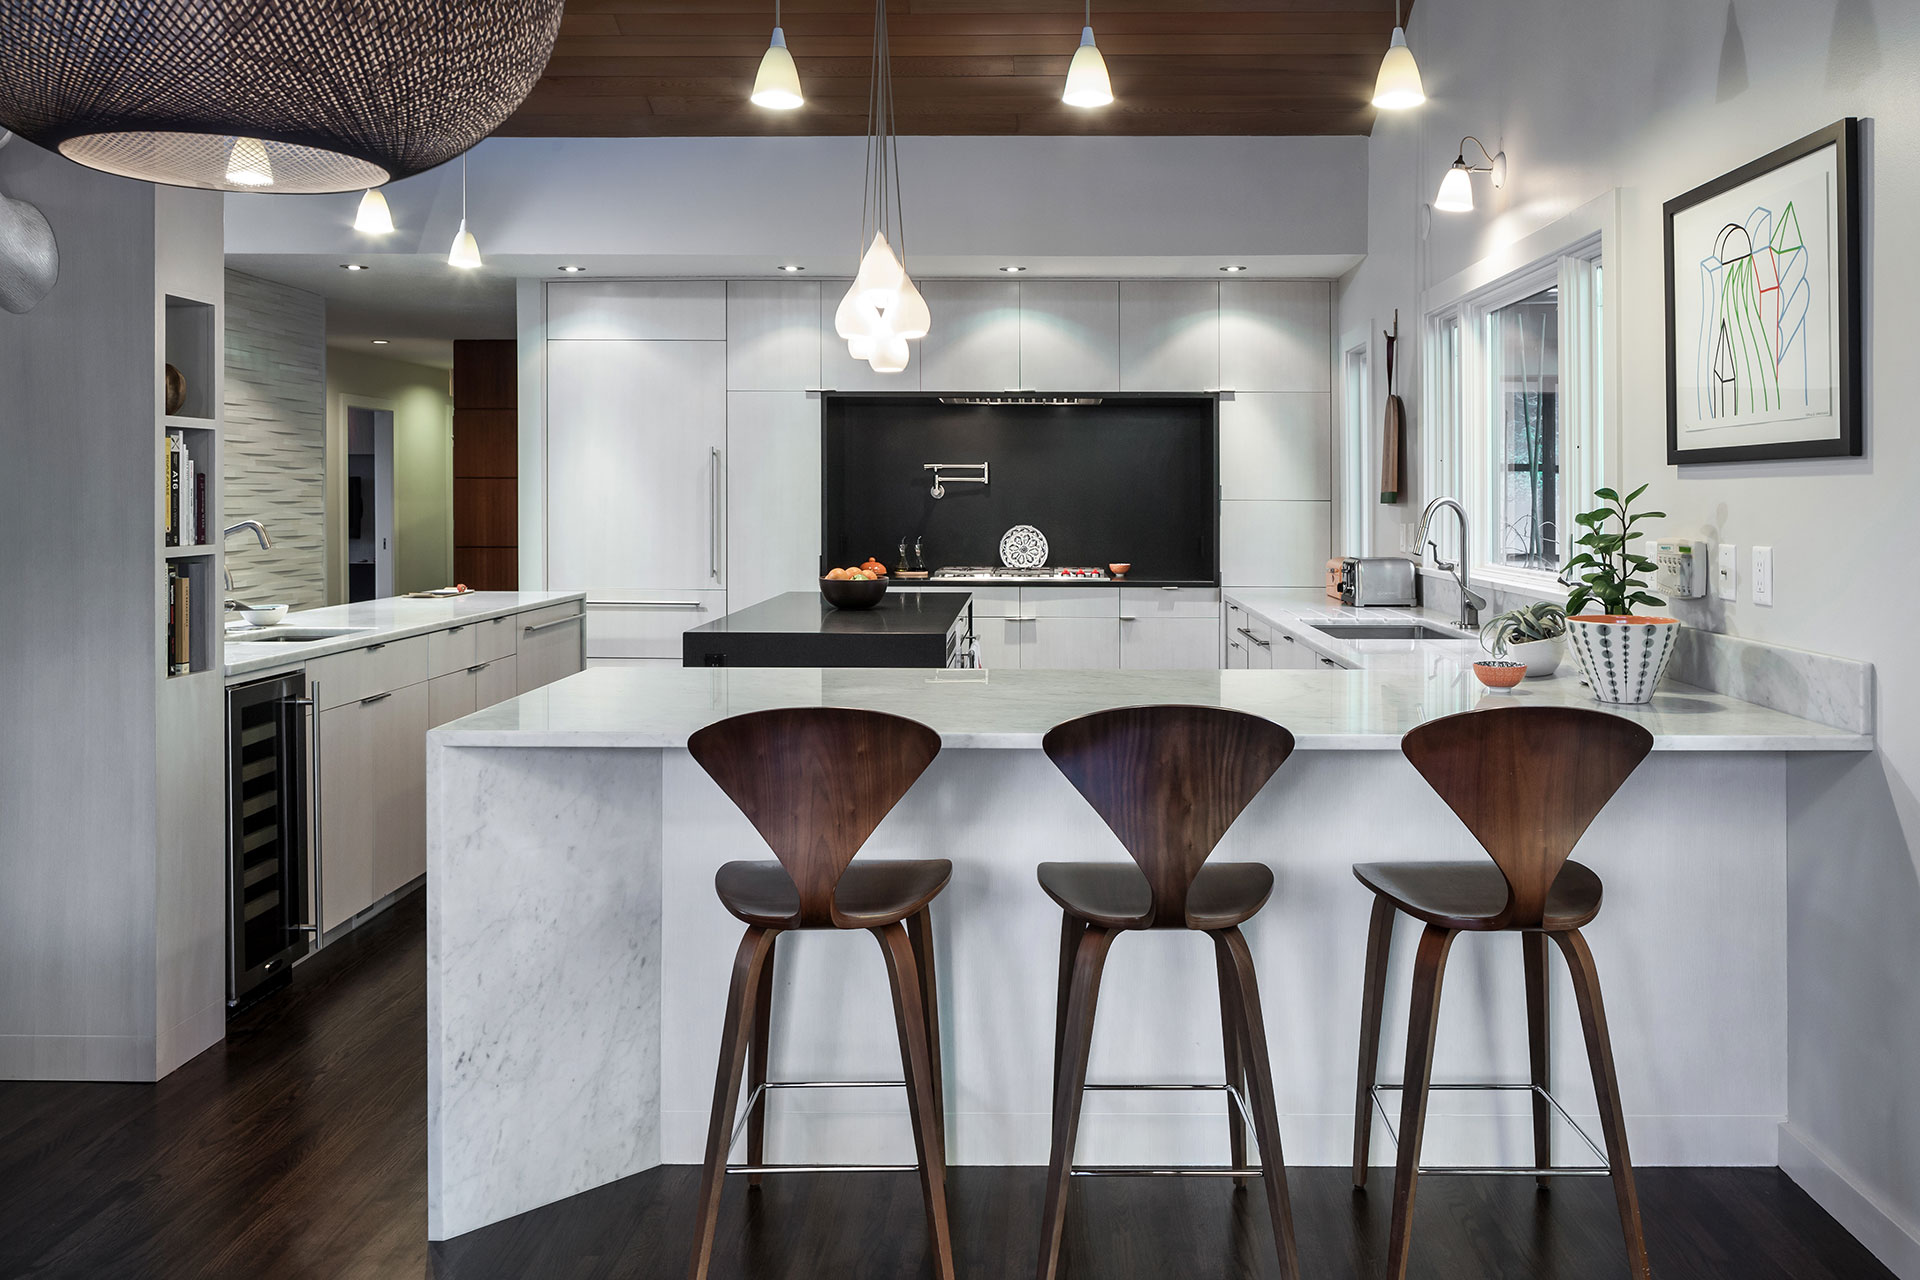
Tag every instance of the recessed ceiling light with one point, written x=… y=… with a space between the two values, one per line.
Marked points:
x=1013 y=270
x=1233 y=270
x=379 y=342
x=353 y=266
x=791 y=269
x=573 y=271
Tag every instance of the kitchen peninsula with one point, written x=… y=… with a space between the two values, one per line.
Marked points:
x=571 y=1038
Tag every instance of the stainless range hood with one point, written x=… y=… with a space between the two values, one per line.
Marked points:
x=1020 y=399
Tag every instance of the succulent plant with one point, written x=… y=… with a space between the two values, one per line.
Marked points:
x=1542 y=620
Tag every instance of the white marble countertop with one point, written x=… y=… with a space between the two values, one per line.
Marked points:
x=1364 y=710
x=1296 y=609
x=376 y=622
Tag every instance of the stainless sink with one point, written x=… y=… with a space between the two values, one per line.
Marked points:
x=1389 y=631
x=290 y=635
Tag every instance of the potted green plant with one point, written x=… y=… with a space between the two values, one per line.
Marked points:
x=1623 y=655
x=1530 y=635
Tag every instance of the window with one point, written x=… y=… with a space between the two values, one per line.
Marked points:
x=1515 y=413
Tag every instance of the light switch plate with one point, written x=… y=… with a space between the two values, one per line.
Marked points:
x=1763 y=575
x=1726 y=571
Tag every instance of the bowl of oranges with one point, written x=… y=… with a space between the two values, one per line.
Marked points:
x=859 y=587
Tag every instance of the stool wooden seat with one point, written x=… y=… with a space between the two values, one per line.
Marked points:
x=1168 y=781
x=815 y=782
x=1527 y=782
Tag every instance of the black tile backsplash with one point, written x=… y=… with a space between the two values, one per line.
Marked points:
x=1134 y=478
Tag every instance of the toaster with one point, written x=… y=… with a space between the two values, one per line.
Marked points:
x=1370 y=580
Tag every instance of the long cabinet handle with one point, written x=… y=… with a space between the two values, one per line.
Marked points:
x=482 y=667
x=313 y=763
x=557 y=622
x=1264 y=644
x=713 y=542
x=647 y=604
x=319 y=848
x=378 y=697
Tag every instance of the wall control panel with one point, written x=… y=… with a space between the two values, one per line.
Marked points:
x=1683 y=568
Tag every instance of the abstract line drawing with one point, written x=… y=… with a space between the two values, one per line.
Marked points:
x=1753 y=327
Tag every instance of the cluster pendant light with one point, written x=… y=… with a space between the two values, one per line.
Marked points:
x=267 y=95
x=882 y=309
x=1087 y=82
x=777 y=86
x=466 y=250
x=1398 y=87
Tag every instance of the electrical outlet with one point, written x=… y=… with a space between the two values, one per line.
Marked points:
x=1726 y=571
x=1763 y=575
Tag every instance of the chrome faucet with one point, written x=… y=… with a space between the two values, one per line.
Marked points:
x=254 y=527
x=1470 y=603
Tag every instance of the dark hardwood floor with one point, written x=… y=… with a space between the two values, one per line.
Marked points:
x=298 y=1149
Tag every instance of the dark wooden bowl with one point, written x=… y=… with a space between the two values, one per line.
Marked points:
x=848 y=594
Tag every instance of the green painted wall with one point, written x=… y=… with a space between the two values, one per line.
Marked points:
x=422 y=405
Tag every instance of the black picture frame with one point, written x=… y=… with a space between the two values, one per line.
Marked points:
x=1844 y=137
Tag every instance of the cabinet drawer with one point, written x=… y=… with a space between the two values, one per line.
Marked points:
x=1169 y=644
x=449 y=697
x=648 y=625
x=988 y=602
x=454 y=649
x=1069 y=602
x=496 y=638
x=495 y=680
x=1169 y=602
x=362 y=673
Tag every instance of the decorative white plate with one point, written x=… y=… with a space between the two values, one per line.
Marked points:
x=1023 y=547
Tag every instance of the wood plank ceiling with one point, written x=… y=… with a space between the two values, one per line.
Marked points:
x=683 y=68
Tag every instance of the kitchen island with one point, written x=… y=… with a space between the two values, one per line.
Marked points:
x=578 y=958
x=800 y=629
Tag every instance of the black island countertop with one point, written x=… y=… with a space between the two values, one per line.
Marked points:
x=800 y=629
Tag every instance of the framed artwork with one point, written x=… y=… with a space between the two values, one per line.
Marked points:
x=1763 y=307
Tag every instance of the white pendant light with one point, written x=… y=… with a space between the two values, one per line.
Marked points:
x=1398 y=86
x=882 y=308
x=1087 y=82
x=878 y=281
x=247 y=163
x=1456 y=188
x=910 y=316
x=466 y=250
x=777 y=86
x=861 y=346
x=374 y=217
x=890 y=355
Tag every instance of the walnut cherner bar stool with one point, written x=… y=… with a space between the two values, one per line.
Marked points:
x=1526 y=781
x=1169 y=781
x=815 y=782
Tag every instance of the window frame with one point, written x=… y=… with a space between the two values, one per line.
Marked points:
x=1359 y=477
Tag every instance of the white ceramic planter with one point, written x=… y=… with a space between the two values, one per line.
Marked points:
x=1623 y=657
x=1542 y=657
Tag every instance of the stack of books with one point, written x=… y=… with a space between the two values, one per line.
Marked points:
x=183 y=495
x=179 y=621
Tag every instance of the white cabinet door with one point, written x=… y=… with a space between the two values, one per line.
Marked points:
x=1290 y=654
x=1274 y=544
x=674 y=310
x=1069 y=643
x=451 y=696
x=840 y=371
x=999 y=638
x=349 y=759
x=773 y=335
x=1069 y=335
x=397 y=723
x=495 y=681
x=550 y=649
x=625 y=624
x=635 y=433
x=1237 y=648
x=1276 y=335
x=1170 y=644
x=1275 y=445
x=1169 y=335
x=974 y=344
x=773 y=495
x=1070 y=602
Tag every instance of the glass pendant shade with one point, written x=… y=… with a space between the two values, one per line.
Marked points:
x=878 y=283
x=890 y=355
x=910 y=317
x=320 y=97
x=1456 y=190
x=1398 y=86
x=1087 y=83
x=778 y=85
x=466 y=250
x=853 y=318
x=861 y=346
x=374 y=217
x=247 y=164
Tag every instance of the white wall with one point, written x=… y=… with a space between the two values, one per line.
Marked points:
x=1653 y=98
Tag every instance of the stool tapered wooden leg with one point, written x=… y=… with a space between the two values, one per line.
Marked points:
x=920 y=933
x=748 y=963
x=1372 y=999
x=903 y=972
x=1606 y=1088
x=757 y=1059
x=1071 y=931
x=1429 y=966
x=1232 y=946
x=1533 y=946
x=1070 y=1081
x=1235 y=1063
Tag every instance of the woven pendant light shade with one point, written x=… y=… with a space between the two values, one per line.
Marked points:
x=338 y=94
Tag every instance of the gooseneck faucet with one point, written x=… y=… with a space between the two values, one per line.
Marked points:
x=1470 y=603
x=254 y=527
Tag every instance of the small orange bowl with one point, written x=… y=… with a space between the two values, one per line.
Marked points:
x=1119 y=570
x=1500 y=674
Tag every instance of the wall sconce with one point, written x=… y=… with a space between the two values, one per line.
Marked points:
x=1456 y=189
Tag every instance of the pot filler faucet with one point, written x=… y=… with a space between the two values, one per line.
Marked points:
x=1470 y=603
x=254 y=527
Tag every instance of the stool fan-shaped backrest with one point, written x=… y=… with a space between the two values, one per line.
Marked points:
x=1527 y=781
x=1169 y=781
x=815 y=782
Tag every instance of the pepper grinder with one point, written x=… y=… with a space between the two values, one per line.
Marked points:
x=903 y=567
x=919 y=559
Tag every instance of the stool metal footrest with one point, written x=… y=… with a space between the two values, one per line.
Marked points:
x=1600 y=1170
x=758 y=1098
x=1171 y=1171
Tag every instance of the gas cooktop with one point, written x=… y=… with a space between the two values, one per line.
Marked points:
x=978 y=571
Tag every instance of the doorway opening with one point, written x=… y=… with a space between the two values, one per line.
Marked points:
x=369 y=502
